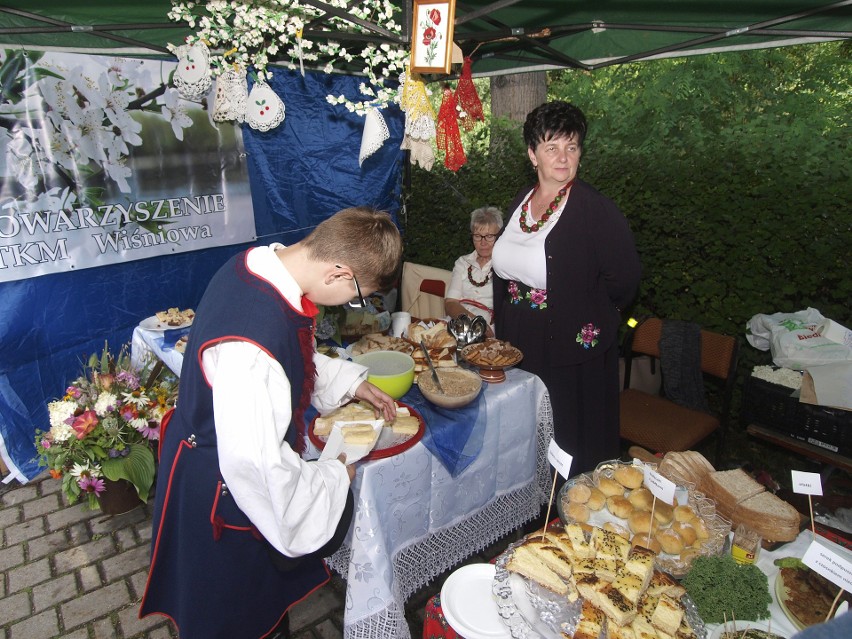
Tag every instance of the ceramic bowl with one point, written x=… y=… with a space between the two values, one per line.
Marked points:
x=460 y=385
x=391 y=371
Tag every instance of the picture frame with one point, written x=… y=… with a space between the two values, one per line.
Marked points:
x=432 y=36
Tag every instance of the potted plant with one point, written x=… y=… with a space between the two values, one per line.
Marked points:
x=105 y=427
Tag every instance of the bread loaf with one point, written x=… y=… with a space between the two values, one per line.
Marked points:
x=769 y=516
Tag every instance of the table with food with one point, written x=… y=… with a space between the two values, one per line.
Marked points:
x=620 y=563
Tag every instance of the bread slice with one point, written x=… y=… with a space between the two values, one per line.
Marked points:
x=358 y=434
x=667 y=615
x=628 y=585
x=609 y=545
x=561 y=540
x=578 y=542
x=616 y=606
x=591 y=622
x=405 y=425
x=769 y=516
x=619 y=632
x=663 y=584
x=729 y=487
x=550 y=556
x=525 y=562
x=640 y=562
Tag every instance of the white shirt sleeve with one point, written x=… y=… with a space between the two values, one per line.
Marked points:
x=296 y=505
x=336 y=383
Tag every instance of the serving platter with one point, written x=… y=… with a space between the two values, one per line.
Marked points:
x=531 y=611
x=153 y=324
x=492 y=370
x=740 y=627
x=387 y=445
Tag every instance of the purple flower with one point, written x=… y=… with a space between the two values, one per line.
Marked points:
x=150 y=431
x=537 y=296
x=91 y=485
x=588 y=336
x=129 y=379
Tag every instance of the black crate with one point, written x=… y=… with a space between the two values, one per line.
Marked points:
x=773 y=406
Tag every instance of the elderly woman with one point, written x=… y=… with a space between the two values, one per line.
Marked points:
x=564 y=268
x=470 y=290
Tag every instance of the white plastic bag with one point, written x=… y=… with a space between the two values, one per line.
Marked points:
x=794 y=340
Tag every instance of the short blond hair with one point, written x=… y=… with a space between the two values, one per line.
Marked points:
x=362 y=238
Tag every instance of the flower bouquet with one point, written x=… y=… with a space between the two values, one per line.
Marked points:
x=105 y=426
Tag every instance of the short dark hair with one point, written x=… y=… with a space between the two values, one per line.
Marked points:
x=365 y=240
x=553 y=120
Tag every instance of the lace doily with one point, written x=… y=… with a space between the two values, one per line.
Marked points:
x=264 y=109
x=422 y=128
x=229 y=103
x=192 y=76
x=420 y=152
x=375 y=134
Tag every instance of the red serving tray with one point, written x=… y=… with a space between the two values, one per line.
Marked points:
x=380 y=453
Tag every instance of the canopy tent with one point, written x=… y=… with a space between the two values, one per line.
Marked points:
x=502 y=36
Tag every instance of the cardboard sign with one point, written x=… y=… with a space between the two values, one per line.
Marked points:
x=806 y=483
x=559 y=459
x=830 y=561
x=660 y=487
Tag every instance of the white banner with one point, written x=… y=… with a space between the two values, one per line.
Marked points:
x=101 y=161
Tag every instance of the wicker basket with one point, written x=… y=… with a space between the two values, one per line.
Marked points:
x=775 y=407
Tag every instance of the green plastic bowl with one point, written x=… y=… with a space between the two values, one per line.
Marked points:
x=391 y=371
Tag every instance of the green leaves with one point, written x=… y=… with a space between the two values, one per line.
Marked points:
x=137 y=468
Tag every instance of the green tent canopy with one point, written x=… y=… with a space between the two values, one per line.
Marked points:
x=502 y=36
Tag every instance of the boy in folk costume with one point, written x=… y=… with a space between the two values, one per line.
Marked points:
x=241 y=521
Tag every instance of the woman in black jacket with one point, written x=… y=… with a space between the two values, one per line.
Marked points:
x=565 y=265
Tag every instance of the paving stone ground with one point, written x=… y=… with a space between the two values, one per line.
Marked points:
x=67 y=571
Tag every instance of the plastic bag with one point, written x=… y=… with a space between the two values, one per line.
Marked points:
x=794 y=339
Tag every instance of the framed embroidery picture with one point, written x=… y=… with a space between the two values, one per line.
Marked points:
x=432 y=36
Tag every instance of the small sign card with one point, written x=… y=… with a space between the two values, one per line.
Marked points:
x=831 y=562
x=806 y=483
x=560 y=460
x=660 y=487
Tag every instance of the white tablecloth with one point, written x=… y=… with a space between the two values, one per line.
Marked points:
x=413 y=521
x=147 y=343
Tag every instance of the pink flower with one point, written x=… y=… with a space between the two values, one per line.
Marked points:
x=429 y=34
x=91 y=484
x=150 y=431
x=537 y=296
x=85 y=423
x=435 y=16
x=45 y=443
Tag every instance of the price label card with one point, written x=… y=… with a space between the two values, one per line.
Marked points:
x=806 y=483
x=830 y=561
x=559 y=459
x=660 y=487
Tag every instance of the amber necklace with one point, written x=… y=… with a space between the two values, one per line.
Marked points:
x=525 y=209
x=473 y=281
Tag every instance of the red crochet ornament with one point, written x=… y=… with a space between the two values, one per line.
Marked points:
x=448 y=137
x=467 y=97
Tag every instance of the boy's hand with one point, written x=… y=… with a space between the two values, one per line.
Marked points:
x=381 y=401
x=350 y=468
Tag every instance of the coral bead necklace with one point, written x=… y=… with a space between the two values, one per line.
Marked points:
x=525 y=209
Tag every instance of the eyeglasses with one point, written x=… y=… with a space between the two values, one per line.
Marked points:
x=490 y=237
x=357 y=301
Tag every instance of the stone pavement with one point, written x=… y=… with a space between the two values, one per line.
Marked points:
x=74 y=573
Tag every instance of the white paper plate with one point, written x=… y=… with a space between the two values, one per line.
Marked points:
x=153 y=324
x=335 y=444
x=744 y=625
x=469 y=606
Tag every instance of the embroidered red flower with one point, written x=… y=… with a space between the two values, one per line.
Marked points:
x=435 y=16
x=429 y=34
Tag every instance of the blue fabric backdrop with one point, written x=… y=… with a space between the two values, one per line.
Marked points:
x=301 y=172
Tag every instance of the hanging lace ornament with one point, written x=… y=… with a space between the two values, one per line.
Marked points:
x=264 y=109
x=467 y=97
x=448 y=138
x=192 y=76
x=375 y=134
x=229 y=101
x=419 y=120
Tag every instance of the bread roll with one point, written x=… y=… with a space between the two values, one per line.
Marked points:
x=578 y=512
x=610 y=487
x=579 y=493
x=701 y=530
x=686 y=531
x=629 y=476
x=645 y=541
x=670 y=541
x=663 y=513
x=619 y=506
x=684 y=513
x=597 y=500
x=618 y=529
x=639 y=522
x=641 y=498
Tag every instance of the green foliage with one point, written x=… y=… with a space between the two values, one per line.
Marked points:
x=733 y=170
x=137 y=467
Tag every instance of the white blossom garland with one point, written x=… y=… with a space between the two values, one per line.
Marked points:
x=257 y=34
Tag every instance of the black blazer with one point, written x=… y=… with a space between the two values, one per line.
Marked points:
x=593 y=272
